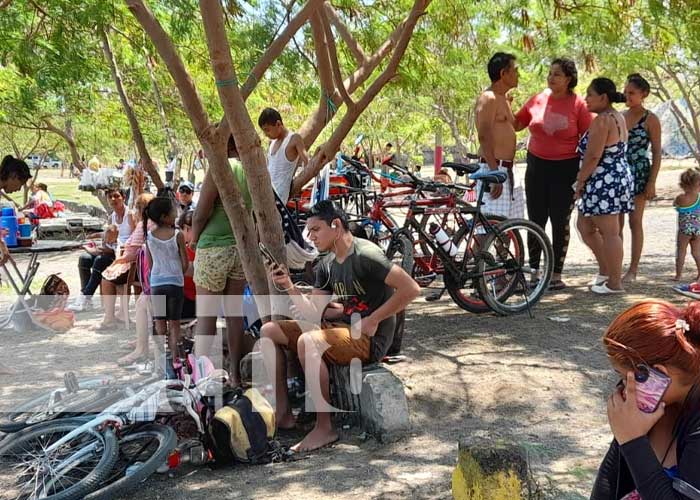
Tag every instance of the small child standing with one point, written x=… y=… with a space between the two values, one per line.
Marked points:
x=688 y=208
x=165 y=251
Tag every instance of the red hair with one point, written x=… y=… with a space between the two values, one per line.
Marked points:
x=651 y=330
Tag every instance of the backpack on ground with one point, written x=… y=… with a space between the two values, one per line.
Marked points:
x=242 y=429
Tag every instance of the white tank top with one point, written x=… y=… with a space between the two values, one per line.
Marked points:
x=124 y=227
x=167 y=267
x=281 y=169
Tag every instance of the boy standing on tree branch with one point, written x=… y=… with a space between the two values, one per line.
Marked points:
x=287 y=152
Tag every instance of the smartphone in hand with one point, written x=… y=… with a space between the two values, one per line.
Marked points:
x=651 y=386
x=267 y=255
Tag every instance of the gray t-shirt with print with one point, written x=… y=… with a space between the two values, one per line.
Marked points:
x=358 y=284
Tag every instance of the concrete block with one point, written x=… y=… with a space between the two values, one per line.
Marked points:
x=383 y=405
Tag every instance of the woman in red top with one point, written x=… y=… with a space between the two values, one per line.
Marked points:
x=556 y=118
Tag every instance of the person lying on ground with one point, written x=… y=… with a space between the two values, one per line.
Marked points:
x=366 y=285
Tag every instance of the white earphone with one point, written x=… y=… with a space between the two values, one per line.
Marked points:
x=334 y=225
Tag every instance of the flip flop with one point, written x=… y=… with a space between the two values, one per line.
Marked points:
x=132 y=360
x=691 y=290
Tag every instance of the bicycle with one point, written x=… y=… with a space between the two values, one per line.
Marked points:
x=99 y=456
x=493 y=259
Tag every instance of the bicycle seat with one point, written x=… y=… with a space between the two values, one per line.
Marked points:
x=490 y=177
x=462 y=168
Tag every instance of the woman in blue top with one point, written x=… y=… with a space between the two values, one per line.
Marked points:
x=603 y=186
x=644 y=131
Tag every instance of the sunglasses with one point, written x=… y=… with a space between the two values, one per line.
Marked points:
x=185 y=191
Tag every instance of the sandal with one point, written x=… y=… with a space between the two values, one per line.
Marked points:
x=556 y=285
x=132 y=359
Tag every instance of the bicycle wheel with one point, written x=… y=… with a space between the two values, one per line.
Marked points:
x=465 y=292
x=504 y=266
x=69 y=472
x=141 y=452
x=400 y=252
x=42 y=408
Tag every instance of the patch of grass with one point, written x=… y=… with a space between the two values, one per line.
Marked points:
x=60 y=188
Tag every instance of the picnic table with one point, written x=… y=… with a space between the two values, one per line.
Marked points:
x=21 y=281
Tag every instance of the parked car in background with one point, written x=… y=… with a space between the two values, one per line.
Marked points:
x=49 y=160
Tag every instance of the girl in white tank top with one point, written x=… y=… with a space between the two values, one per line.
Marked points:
x=165 y=250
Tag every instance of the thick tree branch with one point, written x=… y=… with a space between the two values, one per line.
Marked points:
x=339 y=84
x=247 y=139
x=345 y=34
x=688 y=101
x=277 y=46
x=323 y=61
x=313 y=125
x=146 y=159
x=327 y=150
x=213 y=141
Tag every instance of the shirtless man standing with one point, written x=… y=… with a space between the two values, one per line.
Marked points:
x=495 y=126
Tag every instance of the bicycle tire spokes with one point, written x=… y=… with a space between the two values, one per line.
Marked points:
x=509 y=278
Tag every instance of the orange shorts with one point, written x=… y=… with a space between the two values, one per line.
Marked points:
x=342 y=346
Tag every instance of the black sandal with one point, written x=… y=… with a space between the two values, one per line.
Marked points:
x=556 y=285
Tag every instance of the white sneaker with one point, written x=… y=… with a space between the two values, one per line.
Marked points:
x=81 y=304
x=604 y=290
x=598 y=280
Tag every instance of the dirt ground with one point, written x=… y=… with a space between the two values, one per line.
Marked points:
x=541 y=382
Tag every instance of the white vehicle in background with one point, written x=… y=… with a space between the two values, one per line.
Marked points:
x=46 y=161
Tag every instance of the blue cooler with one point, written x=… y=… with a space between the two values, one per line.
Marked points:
x=25 y=230
x=8 y=221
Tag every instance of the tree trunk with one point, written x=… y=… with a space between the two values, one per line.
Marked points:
x=146 y=160
x=169 y=135
x=213 y=143
x=247 y=139
x=327 y=151
x=67 y=136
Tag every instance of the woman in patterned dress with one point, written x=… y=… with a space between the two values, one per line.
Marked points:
x=644 y=131
x=604 y=185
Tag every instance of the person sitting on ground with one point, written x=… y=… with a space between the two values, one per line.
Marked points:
x=688 y=208
x=93 y=262
x=650 y=451
x=287 y=152
x=366 y=285
x=117 y=273
x=185 y=197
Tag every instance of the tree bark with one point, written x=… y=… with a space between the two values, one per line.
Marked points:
x=313 y=125
x=67 y=136
x=344 y=32
x=247 y=139
x=146 y=160
x=277 y=46
x=338 y=81
x=684 y=125
x=169 y=135
x=449 y=119
x=213 y=143
x=691 y=108
x=327 y=150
